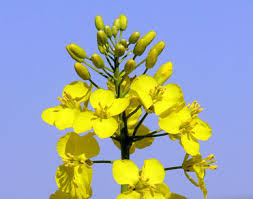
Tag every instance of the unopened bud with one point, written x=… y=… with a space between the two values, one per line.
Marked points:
x=140 y=47
x=76 y=52
x=101 y=37
x=134 y=37
x=130 y=66
x=149 y=37
x=117 y=23
x=108 y=31
x=114 y=31
x=119 y=50
x=123 y=22
x=101 y=49
x=82 y=71
x=99 y=22
x=97 y=61
x=151 y=58
x=163 y=73
x=123 y=42
x=159 y=47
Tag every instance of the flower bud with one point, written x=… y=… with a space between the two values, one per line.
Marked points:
x=99 y=22
x=151 y=58
x=82 y=71
x=130 y=66
x=108 y=31
x=76 y=52
x=119 y=50
x=163 y=73
x=101 y=37
x=97 y=61
x=159 y=47
x=117 y=23
x=149 y=37
x=101 y=49
x=123 y=42
x=140 y=47
x=123 y=22
x=134 y=37
x=114 y=31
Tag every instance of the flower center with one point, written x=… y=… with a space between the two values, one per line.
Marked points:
x=157 y=93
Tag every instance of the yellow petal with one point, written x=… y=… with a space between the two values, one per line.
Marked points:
x=101 y=98
x=74 y=180
x=143 y=130
x=201 y=131
x=125 y=172
x=59 y=195
x=164 y=189
x=65 y=118
x=172 y=122
x=105 y=128
x=118 y=106
x=176 y=196
x=152 y=172
x=83 y=122
x=200 y=173
x=134 y=103
x=79 y=146
x=172 y=98
x=129 y=195
x=190 y=144
x=50 y=114
x=78 y=90
x=152 y=195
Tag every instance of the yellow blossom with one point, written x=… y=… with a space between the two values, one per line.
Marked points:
x=198 y=165
x=63 y=115
x=188 y=125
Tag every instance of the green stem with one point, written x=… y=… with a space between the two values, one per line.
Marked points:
x=103 y=161
x=136 y=138
x=140 y=63
x=120 y=35
x=94 y=83
x=95 y=69
x=145 y=71
x=173 y=168
x=134 y=111
x=112 y=42
x=125 y=56
x=139 y=124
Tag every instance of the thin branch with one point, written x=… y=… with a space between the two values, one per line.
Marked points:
x=94 y=83
x=172 y=168
x=139 y=124
x=102 y=161
x=133 y=112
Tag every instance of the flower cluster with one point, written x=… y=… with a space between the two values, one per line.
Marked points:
x=117 y=111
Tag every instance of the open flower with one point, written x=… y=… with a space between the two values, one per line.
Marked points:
x=188 y=125
x=198 y=165
x=146 y=183
x=103 y=120
x=74 y=175
x=160 y=99
x=63 y=115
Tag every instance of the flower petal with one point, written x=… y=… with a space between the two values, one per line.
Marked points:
x=105 y=128
x=83 y=122
x=190 y=144
x=118 y=106
x=172 y=122
x=152 y=172
x=201 y=131
x=65 y=118
x=125 y=172
x=59 y=195
x=129 y=195
x=49 y=115
x=101 y=98
x=176 y=196
x=200 y=173
x=143 y=130
x=152 y=195
x=132 y=121
x=164 y=189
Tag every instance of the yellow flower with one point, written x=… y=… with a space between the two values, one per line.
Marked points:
x=140 y=144
x=63 y=115
x=187 y=124
x=74 y=175
x=103 y=120
x=160 y=99
x=59 y=195
x=198 y=165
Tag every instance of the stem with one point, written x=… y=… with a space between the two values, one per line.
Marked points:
x=120 y=35
x=140 y=63
x=112 y=42
x=173 y=168
x=125 y=56
x=95 y=69
x=134 y=57
x=103 y=161
x=109 y=62
x=136 y=138
x=145 y=71
x=107 y=73
x=139 y=124
x=94 y=83
x=134 y=111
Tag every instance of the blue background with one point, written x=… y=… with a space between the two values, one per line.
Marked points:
x=210 y=44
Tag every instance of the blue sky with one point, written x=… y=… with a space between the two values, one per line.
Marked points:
x=210 y=44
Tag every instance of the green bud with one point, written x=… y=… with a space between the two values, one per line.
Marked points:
x=76 y=52
x=117 y=23
x=99 y=22
x=101 y=49
x=119 y=50
x=101 y=37
x=82 y=71
x=140 y=47
x=130 y=66
x=151 y=58
x=149 y=37
x=159 y=47
x=123 y=22
x=97 y=61
x=114 y=31
x=123 y=42
x=134 y=37
x=108 y=31
x=163 y=73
